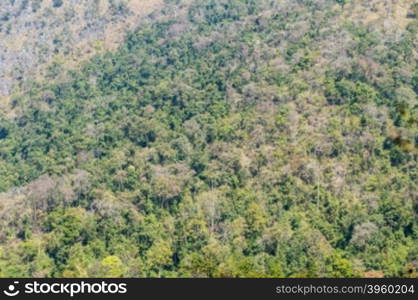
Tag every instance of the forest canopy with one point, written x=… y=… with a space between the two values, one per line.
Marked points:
x=227 y=138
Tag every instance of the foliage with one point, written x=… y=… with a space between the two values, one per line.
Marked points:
x=229 y=138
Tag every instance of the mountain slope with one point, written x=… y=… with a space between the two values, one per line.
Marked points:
x=222 y=139
x=37 y=35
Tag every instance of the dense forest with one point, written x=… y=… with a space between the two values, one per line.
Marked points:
x=222 y=138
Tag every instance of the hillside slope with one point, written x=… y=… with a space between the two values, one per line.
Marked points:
x=227 y=138
x=37 y=35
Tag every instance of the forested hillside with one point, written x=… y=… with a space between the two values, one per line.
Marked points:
x=39 y=36
x=222 y=138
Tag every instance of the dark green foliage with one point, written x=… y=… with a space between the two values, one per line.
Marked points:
x=227 y=142
x=57 y=3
